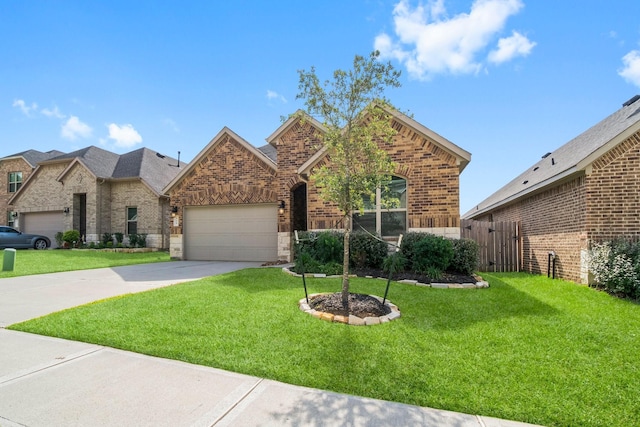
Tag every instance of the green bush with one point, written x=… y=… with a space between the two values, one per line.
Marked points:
x=71 y=237
x=615 y=267
x=92 y=245
x=394 y=263
x=119 y=237
x=432 y=254
x=59 y=239
x=366 y=250
x=106 y=238
x=408 y=244
x=465 y=256
x=328 y=248
x=133 y=240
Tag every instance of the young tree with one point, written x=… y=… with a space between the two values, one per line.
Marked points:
x=353 y=110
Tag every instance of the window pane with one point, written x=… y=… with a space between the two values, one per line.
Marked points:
x=397 y=189
x=132 y=227
x=369 y=202
x=132 y=214
x=393 y=223
x=366 y=221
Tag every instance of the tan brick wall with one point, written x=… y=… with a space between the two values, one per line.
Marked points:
x=228 y=174
x=7 y=166
x=153 y=212
x=105 y=203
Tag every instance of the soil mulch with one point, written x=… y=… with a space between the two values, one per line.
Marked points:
x=448 y=277
x=359 y=305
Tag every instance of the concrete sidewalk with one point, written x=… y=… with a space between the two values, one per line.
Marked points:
x=52 y=382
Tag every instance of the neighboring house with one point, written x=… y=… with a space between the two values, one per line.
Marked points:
x=586 y=191
x=14 y=170
x=96 y=191
x=238 y=202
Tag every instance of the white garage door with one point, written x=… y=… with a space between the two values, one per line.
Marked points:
x=231 y=233
x=45 y=223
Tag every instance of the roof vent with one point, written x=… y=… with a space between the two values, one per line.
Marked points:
x=546 y=155
x=631 y=101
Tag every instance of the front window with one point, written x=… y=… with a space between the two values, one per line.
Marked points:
x=15 y=181
x=383 y=220
x=11 y=218
x=132 y=220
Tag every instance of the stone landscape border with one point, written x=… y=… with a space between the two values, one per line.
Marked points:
x=351 y=319
x=367 y=321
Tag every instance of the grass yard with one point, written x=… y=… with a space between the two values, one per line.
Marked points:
x=29 y=261
x=529 y=348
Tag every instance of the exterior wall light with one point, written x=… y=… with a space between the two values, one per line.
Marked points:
x=66 y=210
x=174 y=211
x=281 y=207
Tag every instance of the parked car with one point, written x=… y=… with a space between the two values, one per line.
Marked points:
x=12 y=238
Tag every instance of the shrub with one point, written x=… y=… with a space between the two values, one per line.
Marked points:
x=142 y=240
x=408 y=244
x=366 y=250
x=616 y=267
x=71 y=237
x=394 y=263
x=106 y=238
x=119 y=237
x=432 y=254
x=59 y=239
x=328 y=248
x=92 y=245
x=465 y=256
x=133 y=240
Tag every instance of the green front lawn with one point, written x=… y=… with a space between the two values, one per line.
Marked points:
x=529 y=348
x=29 y=261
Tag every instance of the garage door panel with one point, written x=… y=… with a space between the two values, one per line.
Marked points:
x=231 y=233
x=44 y=223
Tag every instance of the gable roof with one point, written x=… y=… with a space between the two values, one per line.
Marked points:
x=573 y=157
x=293 y=119
x=463 y=157
x=33 y=157
x=258 y=153
x=152 y=169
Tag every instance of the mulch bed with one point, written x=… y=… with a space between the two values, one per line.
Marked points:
x=448 y=277
x=359 y=305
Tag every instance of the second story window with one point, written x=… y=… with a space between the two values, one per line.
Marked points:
x=15 y=181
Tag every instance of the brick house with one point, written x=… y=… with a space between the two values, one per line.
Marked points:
x=587 y=190
x=14 y=170
x=96 y=191
x=238 y=202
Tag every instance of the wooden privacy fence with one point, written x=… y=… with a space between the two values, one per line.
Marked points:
x=499 y=242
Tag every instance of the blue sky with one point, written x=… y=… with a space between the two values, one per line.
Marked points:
x=507 y=80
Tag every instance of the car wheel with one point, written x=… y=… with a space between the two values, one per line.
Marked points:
x=40 y=244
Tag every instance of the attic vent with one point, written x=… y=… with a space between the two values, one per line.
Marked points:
x=546 y=155
x=631 y=101
x=526 y=182
x=536 y=168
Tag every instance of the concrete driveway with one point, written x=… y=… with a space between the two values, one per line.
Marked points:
x=26 y=297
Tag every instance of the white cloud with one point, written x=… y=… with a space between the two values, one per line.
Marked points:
x=429 y=42
x=631 y=70
x=124 y=135
x=275 y=95
x=26 y=109
x=74 y=128
x=510 y=47
x=55 y=112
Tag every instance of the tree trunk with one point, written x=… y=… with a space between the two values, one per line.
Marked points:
x=345 y=264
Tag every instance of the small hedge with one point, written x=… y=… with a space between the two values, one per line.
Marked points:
x=423 y=253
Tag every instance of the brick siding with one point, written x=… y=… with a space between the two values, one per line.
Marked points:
x=7 y=166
